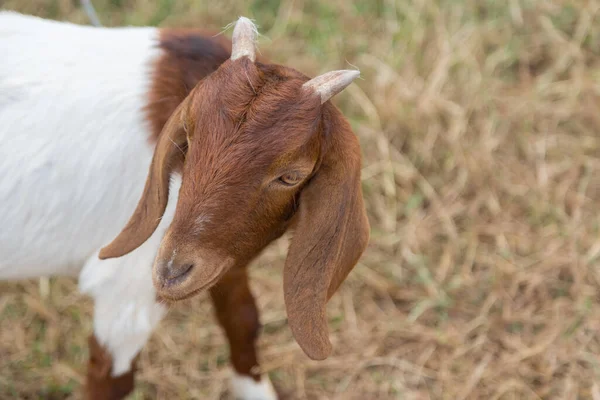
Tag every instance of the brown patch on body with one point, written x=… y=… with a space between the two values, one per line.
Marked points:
x=188 y=56
x=100 y=384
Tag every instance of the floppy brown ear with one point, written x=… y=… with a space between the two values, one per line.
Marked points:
x=168 y=155
x=331 y=234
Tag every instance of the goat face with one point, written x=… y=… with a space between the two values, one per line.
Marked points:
x=259 y=149
x=250 y=138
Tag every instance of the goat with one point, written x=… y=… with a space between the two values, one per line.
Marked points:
x=233 y=153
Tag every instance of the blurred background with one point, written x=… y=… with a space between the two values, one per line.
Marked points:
x=480 y=128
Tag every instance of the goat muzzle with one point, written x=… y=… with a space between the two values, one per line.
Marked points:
x=177 y=278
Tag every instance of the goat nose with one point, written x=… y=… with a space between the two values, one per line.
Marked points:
x=172 y=274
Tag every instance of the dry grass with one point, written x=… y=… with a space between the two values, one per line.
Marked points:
x=480 y=127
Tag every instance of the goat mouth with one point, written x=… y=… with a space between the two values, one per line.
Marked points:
x=174 y=292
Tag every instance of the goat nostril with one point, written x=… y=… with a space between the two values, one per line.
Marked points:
x=174 y=274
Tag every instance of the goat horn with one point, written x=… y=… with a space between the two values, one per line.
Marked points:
x=331 y=83
x=243 y=41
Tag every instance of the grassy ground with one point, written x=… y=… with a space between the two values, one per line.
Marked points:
x=480 y=127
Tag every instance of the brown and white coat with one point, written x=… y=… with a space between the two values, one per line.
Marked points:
x=191 y=156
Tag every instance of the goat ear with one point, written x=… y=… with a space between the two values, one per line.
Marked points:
x=168 y=155
x=331 y=234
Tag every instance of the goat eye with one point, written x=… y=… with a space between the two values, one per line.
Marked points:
x=290 y=179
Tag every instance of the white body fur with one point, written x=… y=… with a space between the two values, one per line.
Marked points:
x=74 y=155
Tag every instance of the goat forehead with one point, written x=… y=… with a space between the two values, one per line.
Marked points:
x=254 y=141
x=263 y=91
x=236 y=160
x=251 y=123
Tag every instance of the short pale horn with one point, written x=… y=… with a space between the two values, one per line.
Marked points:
x=243 y=40
x=331 y=83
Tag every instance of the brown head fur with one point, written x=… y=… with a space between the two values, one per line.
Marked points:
x=258 y=153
